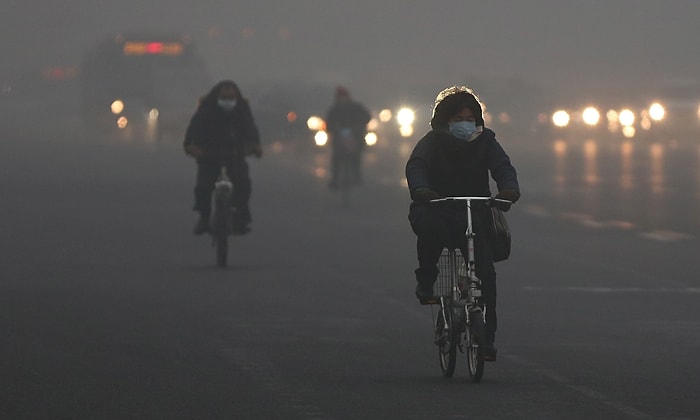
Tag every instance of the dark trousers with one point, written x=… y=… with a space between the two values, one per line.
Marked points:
x=237 y=170
x=439 y=226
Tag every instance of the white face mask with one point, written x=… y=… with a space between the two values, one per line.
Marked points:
x=226 y=104
x=463 y=130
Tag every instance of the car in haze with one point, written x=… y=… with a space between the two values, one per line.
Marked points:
x=673 y=107
x=144 y=84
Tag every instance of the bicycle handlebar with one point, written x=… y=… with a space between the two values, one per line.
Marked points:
x=436 y=200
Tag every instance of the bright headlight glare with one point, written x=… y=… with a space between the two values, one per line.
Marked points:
x=626 y=118
x=321 y=138
x=371 y=138
x=657 y=111
x=117 y=107
x=315 y=123
x=405 y=116
x=561 y=118
x=591 y=116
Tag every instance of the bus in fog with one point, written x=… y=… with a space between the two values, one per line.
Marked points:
x=144 y=85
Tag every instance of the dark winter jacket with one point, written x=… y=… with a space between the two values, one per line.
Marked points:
x=350 y=115
x=215 y=130
x=453 y=167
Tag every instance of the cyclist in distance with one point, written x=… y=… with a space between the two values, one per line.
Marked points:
x=455 y=158
x=222 y=131
x=346 y=122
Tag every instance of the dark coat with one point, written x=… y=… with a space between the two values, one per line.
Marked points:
x=350 y=115
x=215 y=130
x=453 y=167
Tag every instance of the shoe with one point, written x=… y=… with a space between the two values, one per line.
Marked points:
x=490 y=352
x=202 y=226
x=424 y=293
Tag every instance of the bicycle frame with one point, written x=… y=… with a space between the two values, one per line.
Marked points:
x=473 y=283
x=223 y=213
x=462 y=314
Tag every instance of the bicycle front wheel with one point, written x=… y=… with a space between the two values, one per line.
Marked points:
x=222 y=249
x=446 y=340
x=475 y=341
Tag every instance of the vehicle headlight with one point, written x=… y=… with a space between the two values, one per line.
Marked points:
x=561 y=118
x=626 y=118
x=591 y=116
x=117 y=106
x=321 y=138
x=371 y=138
x=657 y=111
x=405 y=116
x=315 y=123
x=385 y=115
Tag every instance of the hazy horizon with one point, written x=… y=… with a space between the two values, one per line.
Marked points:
x=372 y=44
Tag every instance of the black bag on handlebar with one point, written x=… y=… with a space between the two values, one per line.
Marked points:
x=500 y=246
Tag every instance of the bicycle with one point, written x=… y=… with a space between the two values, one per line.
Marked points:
x=349 y=154
x=460 y=322
x=222 y=217
x=221 y=223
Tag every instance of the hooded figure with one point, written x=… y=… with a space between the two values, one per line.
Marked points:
x=456 y=158
x=346 y=123
x=222 y=132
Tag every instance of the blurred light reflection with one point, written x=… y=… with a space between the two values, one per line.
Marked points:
x=627 y=165
x=628 y=131
x=591 y=116
x=559 y=147
x=590 y=152
x=656 y=179
x=406 y=130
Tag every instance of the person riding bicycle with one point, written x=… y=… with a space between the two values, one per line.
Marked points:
x=346 y=123
x=455 y=159
x=222 y=131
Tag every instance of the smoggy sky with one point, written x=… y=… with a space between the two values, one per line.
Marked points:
x=368 y=43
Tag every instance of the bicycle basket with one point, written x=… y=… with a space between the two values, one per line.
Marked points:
x=443 y=286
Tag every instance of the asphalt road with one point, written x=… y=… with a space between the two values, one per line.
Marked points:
x=112 y=309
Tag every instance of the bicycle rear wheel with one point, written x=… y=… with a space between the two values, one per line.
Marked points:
x=222 y=249
x=475 y=341
x=345 y=181
x=220 y=234
x=446 y=340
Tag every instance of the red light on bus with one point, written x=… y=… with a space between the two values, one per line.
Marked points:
x=154 y=48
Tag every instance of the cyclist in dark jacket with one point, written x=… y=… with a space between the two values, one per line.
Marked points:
x=346 y=123
x=222 y=131
x=455 y=159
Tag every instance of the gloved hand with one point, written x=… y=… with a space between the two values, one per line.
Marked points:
x=194 y=150
x=424 y=195
x=254 y=149
x=510 y=195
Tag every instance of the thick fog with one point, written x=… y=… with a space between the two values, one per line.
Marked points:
x=112 y=307
x=373 y=45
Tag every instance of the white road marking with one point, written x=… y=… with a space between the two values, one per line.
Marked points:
x=591 y=289
x=666 y=236
x=587 y=220
x=580 y=389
